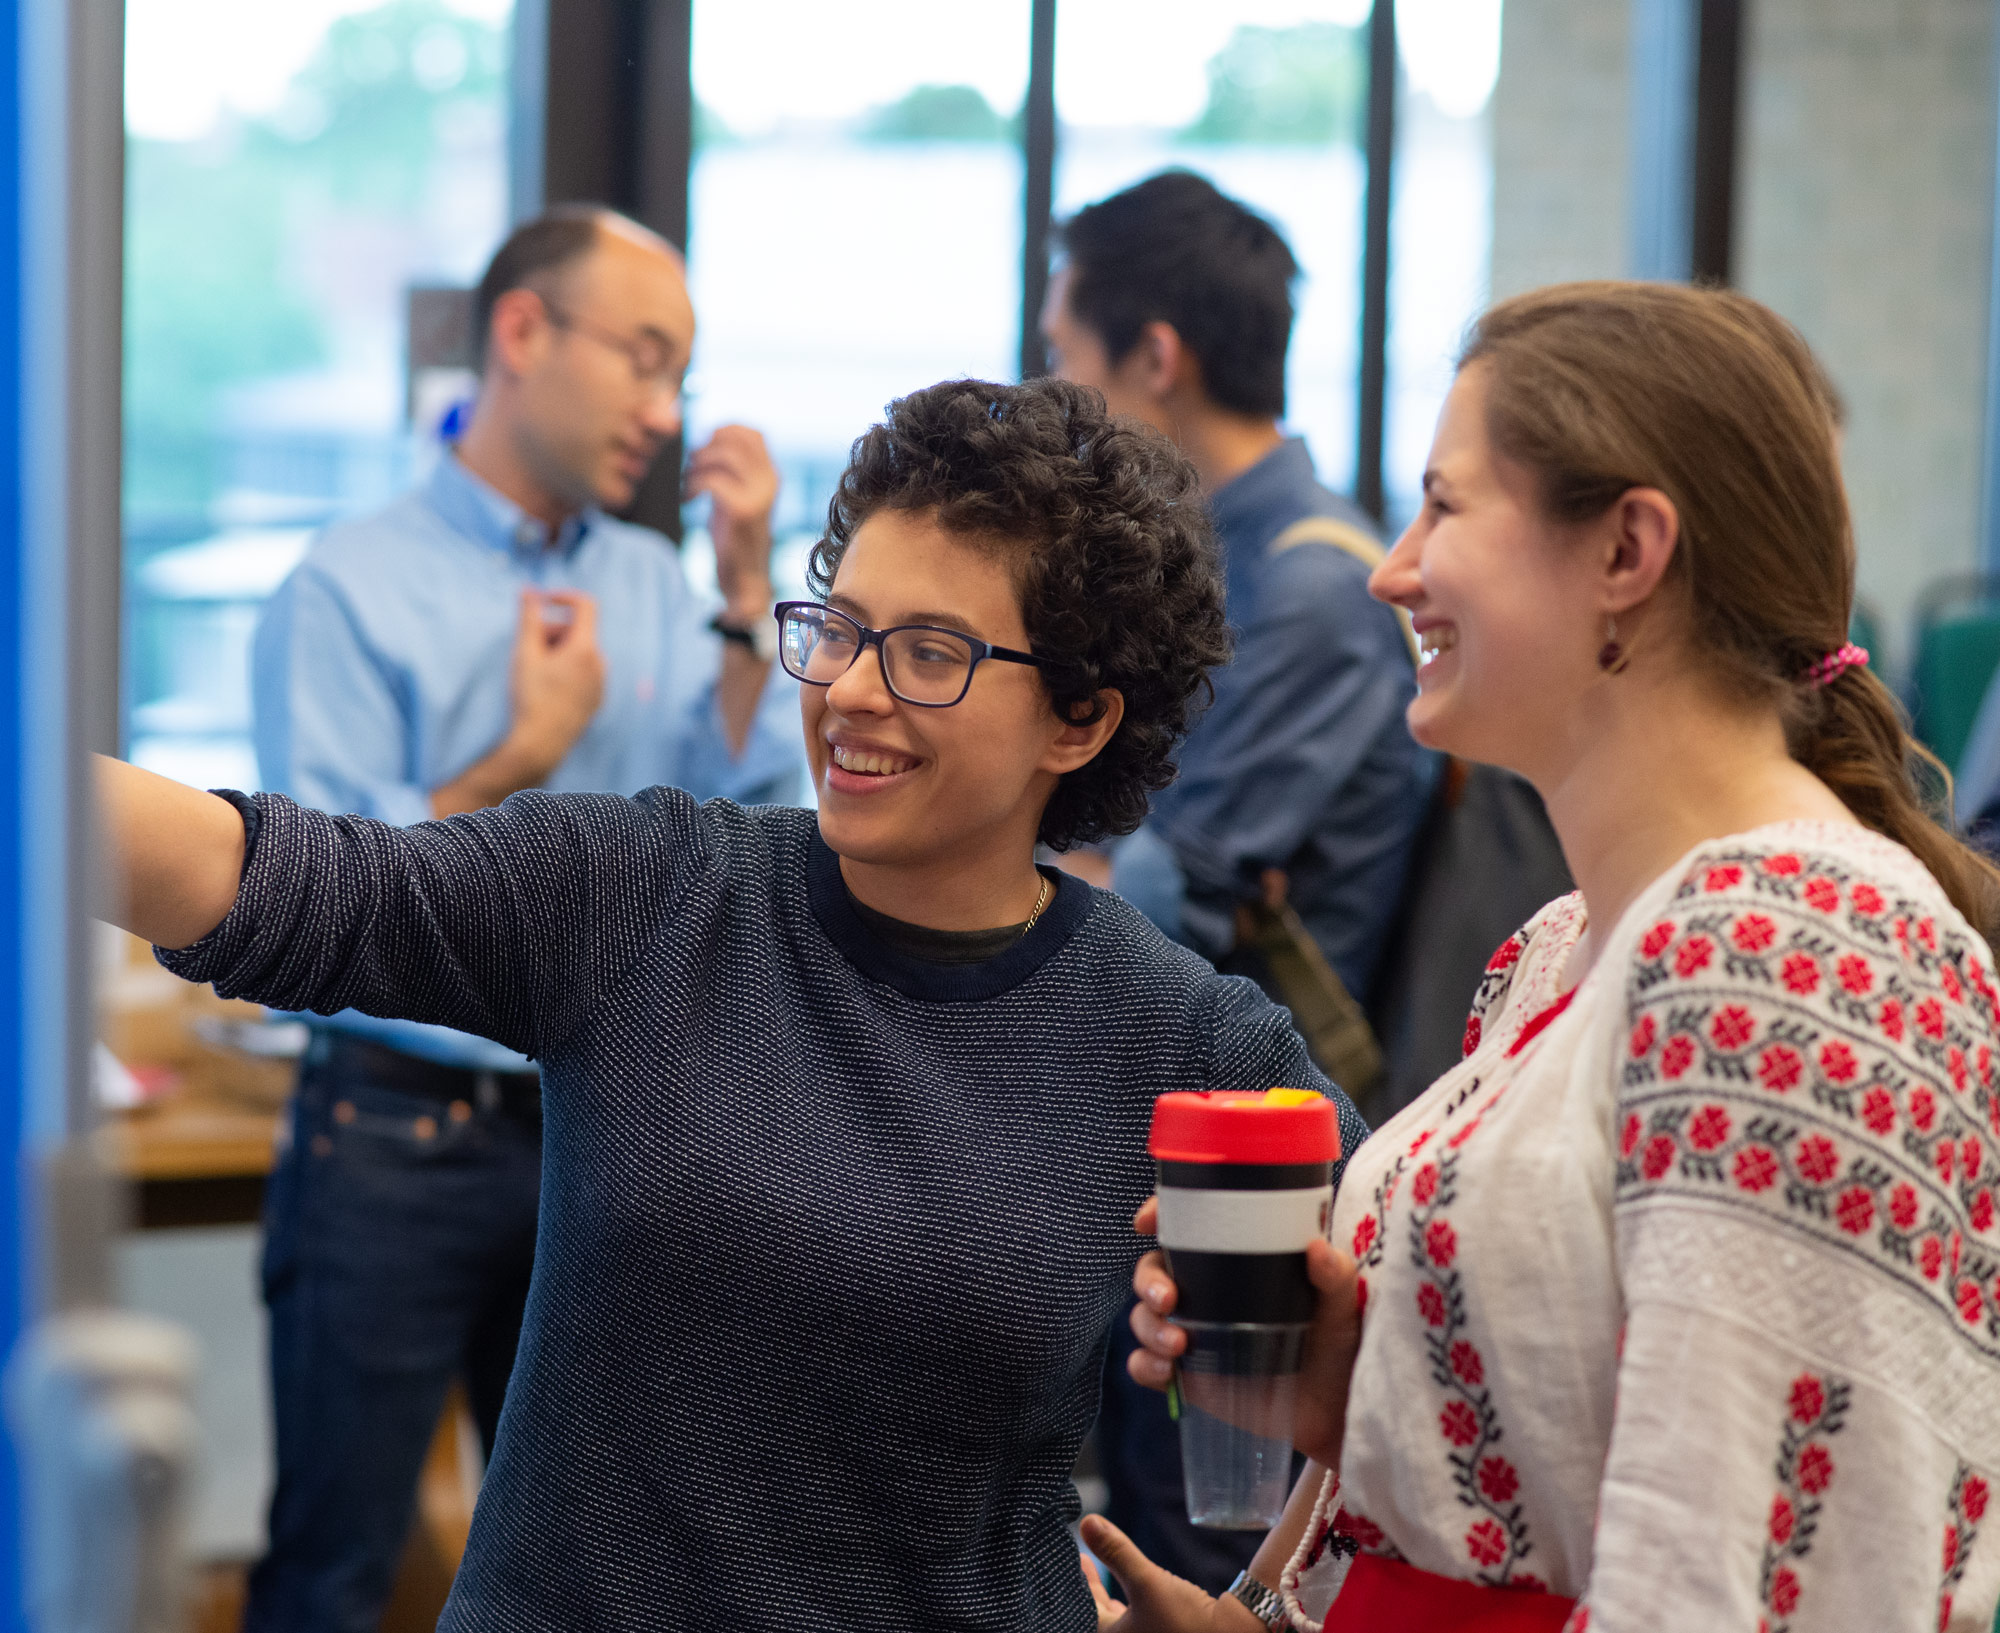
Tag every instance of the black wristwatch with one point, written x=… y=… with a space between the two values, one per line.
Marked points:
x=760 y=637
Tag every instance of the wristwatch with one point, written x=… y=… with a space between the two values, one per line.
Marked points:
x=761 y=637
x=1259 y=1600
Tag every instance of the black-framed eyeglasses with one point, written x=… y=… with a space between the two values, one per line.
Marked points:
x=922 y=664
x=651 y=358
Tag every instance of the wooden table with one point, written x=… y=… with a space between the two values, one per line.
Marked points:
x=200 y=1153
x=192 y=1161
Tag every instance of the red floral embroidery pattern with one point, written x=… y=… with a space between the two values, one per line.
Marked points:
x=1815 y=1412
x=1493 y=985
x=1371 y=1230
x=1752 y=933
x=1487 y=1482
x=1360 y=1527
x=1346 y=1534
x=1964 y=1511
x=1809 y=1045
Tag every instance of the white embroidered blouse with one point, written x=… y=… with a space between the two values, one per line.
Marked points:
x=1682 y=1292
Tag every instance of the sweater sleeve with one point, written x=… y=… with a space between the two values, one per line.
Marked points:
x=509 y=923
x=1254 y=1046
x=1805 y=1433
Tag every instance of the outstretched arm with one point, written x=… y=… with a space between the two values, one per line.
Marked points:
x=173 y=855
x=509 y=922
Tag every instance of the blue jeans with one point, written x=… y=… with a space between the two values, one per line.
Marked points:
x=399 y=1238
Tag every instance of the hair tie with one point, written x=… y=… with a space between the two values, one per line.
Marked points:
x=1835 y=664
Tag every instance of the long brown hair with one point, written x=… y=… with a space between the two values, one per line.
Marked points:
x=1716 y=401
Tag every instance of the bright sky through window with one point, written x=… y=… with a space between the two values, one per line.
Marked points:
x=1122 y=65
x=1451 y=49
x=189 y=61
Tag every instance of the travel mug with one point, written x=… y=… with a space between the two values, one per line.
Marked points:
x=1245 y=1183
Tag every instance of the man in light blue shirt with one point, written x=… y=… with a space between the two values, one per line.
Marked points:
x=494 y=630
x=398 y=655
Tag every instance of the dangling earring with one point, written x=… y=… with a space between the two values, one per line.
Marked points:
x=1611 y=657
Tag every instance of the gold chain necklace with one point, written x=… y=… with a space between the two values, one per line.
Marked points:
x=1041 y=902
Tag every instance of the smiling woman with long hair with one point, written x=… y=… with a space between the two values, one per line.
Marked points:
x=830 y=1100
x=1676 y=1305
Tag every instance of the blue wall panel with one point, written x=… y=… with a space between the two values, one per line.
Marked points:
x=14 y=929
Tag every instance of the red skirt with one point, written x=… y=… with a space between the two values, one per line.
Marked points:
x=1387 y=1596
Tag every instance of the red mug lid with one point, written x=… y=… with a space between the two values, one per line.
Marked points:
x=1232 y=1125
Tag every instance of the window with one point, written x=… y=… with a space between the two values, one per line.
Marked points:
x=854 y=217
x=292 y=170
x=1266 y=99
x=856 y=221
x=1441 y=221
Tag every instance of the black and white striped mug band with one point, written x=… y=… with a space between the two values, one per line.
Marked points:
x=1236 y=1235
x=1245 y=1184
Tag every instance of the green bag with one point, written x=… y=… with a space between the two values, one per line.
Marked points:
x=1337 y=1033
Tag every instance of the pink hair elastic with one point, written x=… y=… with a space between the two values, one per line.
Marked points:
x=1835 y=664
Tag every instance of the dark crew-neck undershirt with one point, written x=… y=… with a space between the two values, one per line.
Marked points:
x=937 y=946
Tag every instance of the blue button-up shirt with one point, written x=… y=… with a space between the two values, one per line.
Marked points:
x=381 y=671
x=1303 y=762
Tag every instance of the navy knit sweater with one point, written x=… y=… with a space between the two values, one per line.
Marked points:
x=830 y=1238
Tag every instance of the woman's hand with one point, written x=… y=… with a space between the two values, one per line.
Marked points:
x=1330 y=1345
x=1156 y=1600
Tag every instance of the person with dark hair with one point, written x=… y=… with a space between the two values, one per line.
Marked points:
x=497 y=629
x=1174 y=254
x=813 y=1081
x=1175 y=301
x=1300 y=791
x=1675 y=1305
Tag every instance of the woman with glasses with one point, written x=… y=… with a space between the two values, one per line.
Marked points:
x=846 y=1112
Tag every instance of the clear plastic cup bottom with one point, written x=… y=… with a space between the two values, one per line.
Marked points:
x=1238 y=1390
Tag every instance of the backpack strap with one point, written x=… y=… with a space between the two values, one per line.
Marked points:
x=1350 y=540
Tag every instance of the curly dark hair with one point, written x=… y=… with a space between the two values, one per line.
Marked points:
x=1114 y=558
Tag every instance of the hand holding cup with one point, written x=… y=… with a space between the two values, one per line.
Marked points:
x=1268 y=1314
x=1328 y=1363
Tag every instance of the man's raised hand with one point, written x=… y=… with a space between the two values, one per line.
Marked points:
x=734 y=469
x=556 y=684
x=558 y=676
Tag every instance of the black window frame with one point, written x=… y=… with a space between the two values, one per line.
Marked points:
x=604 y=110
